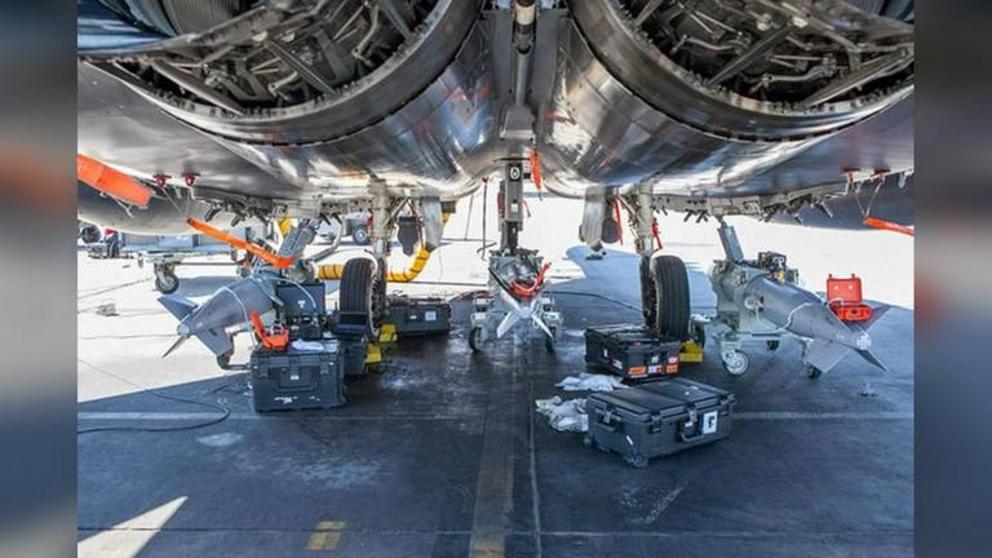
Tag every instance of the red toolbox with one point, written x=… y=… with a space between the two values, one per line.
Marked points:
x=844 y=297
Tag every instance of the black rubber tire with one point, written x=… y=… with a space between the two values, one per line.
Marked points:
x=356 y=286
x=360 y=235
x=772 y=345
x=89 y=234
x=167 y=283
x=745 y=364
x=671 y=283
x=813 y=372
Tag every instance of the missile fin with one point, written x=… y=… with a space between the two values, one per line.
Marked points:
x=876 y=314
x=218 y=341
x=824 y=355
x=872 y=359
x=177 y=305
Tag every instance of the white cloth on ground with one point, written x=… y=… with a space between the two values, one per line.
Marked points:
x=565 y=416
x=590 y=382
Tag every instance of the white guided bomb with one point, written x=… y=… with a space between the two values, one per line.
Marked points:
x=228 y=307
x=760 y=299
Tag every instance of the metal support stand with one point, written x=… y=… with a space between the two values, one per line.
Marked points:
x=736 y=312
x=516 y=277
x=293 y=245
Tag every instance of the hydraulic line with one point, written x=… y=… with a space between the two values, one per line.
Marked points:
x=333 y=271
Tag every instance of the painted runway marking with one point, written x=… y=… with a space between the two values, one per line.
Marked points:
x=494 y=487
x=326 y=535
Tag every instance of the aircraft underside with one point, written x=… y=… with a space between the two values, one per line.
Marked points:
x=303 y=108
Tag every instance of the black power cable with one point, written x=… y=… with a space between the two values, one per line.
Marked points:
x=225 y=412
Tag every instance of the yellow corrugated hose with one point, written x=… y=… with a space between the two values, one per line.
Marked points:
x=333 y=271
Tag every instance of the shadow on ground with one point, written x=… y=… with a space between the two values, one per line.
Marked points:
x=441 y=440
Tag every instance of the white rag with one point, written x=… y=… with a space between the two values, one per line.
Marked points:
x=590 y=382
x=316 y=346
x=565 y=416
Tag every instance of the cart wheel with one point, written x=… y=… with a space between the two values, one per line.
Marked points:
x=772 y=345
x=549 y=342
x=636 y=460
x=813 y=372
x=475 y=339
x=166 y=281
x=736 y=363
x=360 y=235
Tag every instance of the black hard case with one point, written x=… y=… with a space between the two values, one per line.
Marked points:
x=301 y=300
x=659 y=418
x=292 y=380
x=631 y=351
x=419 y=316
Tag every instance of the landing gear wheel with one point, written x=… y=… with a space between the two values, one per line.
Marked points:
x=587 y=441
x=356 y=288
x=671 y=283
x=772 y=345
x=89 y=234
x=549 y=342
x=638 y=461
x=736 y=363
x=813 y=372
x=475 y=339
x=165 y=280
x=360 y=235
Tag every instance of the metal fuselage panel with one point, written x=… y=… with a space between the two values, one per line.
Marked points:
x=122 y=129
x=591 y=131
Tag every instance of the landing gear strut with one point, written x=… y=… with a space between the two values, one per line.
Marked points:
x=664 y=280
x=516 y=277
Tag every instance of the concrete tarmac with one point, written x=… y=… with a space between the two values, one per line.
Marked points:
x=440 y=453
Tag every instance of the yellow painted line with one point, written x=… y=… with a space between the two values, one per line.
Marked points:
x=326 y=535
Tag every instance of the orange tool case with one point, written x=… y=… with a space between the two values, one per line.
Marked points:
x=844 y=296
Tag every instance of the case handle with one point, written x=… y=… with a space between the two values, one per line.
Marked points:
x=694 y=423
x=604 y=419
